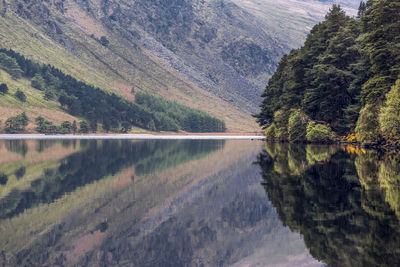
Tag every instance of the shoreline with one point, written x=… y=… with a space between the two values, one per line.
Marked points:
x=385 y=147
x=132 y=137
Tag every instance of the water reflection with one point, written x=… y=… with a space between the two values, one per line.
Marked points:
x=93 y=161
x=139 y=203
x=345 y=203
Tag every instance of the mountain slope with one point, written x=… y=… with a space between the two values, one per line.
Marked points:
x=213 y=55
x=291 y=20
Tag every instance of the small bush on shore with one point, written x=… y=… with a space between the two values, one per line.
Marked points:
x=367 y=126
x=319 y=133
x=270 y=131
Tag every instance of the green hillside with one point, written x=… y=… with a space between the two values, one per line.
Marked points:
x=342 y=82
x=97 y=106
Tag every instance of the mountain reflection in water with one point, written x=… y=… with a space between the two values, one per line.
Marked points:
x=196 y=203
x=344 y=201
x=139 y=203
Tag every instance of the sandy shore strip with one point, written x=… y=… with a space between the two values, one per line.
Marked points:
x=129 y=136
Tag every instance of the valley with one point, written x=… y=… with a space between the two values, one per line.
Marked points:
x=215 y=56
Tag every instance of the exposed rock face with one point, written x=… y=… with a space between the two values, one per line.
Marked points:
x=213 y=43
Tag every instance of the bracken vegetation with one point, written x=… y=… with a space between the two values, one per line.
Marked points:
x=343 y=79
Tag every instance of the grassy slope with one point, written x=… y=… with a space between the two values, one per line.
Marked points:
x=115 y=68
x=34 y=106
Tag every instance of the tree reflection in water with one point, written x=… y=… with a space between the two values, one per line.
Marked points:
x=344 y=201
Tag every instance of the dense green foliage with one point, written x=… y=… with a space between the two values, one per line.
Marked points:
x=319 y=133
x=346 y=66
x=10 y=65
x=112 y=111
x=173 y=116
x=297 y=126
x=83 y=127
x=367 y=124
x=16 y=124
x=389 y=117
x=38 y=82
x=45 y=126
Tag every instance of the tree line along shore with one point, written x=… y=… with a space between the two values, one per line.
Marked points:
x=343 y=84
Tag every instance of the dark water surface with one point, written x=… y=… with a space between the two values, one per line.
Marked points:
x=196 y=203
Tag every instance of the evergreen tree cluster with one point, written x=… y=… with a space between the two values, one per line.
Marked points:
x=17 y=124
x=341 y=77
x=173 y=116
x=113 y=112
x=47 y=127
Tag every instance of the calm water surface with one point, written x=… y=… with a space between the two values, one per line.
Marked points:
x=196 y=203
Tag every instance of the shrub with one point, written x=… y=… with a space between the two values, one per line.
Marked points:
x=17 y=123
x=20 y=172
x=104 y=41
x=367 y=126
x=38 y=82
x=351 y=138
x=297 y=126
x=83 y=127
x=319 y=133
x=20 y=95
x=281 y=118
x=45 y=126
x=3 y=88
x=270 y=131
x=65 y=127
x=389 y=117
x=49 y=95
x=3 y=179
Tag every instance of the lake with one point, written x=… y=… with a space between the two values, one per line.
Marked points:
x=196 y=203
